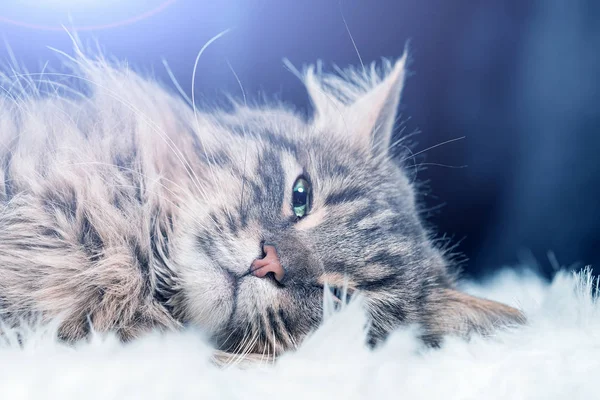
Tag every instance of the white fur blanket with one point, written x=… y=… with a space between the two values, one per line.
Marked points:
x=557 y=356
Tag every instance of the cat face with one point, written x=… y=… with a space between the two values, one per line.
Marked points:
x=317 y=203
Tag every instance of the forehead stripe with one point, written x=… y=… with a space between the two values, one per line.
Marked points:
x=345 y=195
x=377 y=284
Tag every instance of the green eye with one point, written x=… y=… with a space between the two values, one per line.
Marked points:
x=301 y=197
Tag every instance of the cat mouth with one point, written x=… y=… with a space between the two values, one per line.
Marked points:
x=247 y=294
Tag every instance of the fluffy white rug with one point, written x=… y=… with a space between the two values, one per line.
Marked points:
x=557 y=356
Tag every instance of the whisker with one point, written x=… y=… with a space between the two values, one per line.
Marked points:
x=176 y=83
x=352 y=39
x=433 y=147
x=244 y=137
x=274 y=343
x=195 y=110
x=415 y=167
x=403 y=137
x=443 y=165
x=245 y=349
x=245 y=338
x=224 y=343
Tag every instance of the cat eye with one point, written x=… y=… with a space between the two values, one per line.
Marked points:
x=301 y=197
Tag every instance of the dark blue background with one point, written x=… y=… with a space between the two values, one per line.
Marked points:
x=519 y=79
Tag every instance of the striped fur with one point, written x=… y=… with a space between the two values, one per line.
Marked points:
x=125 y=209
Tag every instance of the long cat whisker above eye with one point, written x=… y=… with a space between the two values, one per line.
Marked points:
x=417 y=166
x=403 y=138
x=442 y=165
x=362 y=64
x=433 y=147
x=237 y=78
x=194 y=108
x=180 y=90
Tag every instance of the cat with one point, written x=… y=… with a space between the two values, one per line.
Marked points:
x=127 y=210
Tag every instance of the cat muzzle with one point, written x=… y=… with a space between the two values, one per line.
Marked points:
x=269 y=263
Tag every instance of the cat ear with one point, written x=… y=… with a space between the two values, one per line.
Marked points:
x=374 y=113
x=458 y=313
x=360 y=104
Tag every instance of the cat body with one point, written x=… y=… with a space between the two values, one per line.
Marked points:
x=125 y=209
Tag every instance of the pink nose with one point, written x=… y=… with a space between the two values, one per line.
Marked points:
x=270 y=263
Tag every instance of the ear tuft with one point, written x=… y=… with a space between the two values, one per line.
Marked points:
x=358 y=103
x=375 y=112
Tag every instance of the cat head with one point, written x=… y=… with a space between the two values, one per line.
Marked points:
x=319 y=203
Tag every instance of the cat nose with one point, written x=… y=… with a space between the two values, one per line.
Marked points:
x=269 y=263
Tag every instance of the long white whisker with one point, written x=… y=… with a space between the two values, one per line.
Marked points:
x=433 y=147
x=176 y=83
x=352 y=39
x=244 y=137
x=443 y=165
x=195 y=110
x=245 y=349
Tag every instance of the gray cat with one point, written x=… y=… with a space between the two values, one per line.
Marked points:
x=127 y=210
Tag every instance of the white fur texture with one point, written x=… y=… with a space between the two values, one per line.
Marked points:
x=557 y=356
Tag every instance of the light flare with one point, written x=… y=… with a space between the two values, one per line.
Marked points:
x=56 y=15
